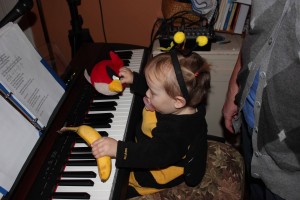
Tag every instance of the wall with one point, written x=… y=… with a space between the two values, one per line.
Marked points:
x=124 y=21
x=5 y=7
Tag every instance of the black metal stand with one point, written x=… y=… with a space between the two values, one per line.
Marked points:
x=77 y=35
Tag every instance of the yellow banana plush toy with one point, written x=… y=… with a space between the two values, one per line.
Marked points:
x=89 y=135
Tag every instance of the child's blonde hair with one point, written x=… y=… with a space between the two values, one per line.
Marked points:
x=195 y=71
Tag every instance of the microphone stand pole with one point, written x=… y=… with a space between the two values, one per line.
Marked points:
x=46 y=35
x=77 y=35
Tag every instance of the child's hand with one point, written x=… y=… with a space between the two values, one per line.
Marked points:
x=104 y=146
x=126 y=75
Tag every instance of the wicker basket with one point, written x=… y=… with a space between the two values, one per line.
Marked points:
x=171 y=7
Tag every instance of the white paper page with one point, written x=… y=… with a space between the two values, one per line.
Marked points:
x=17 y=138
x=22 y=72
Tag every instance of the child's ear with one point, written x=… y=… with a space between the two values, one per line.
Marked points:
x=179 y=102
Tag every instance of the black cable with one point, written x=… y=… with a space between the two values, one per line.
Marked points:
x=102 y=21
x=153 y=36
x=46 y=35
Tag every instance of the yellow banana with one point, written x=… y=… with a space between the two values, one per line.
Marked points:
x=89 y=135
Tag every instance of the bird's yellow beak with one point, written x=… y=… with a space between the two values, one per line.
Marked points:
x=115 y=86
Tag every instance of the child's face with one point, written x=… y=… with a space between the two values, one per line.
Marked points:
x=158 y=97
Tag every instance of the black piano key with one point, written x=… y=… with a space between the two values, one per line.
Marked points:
x=81 y=156
x=125 y=54
x=99 y=96
x=81 y=149
x=102 y=108
x=98 y=125
x=97 y=121
x=101 y=126
x=79 y=174
x=99 y=116
x=126 y=62
x=81 y=163
x=103 y=133
x=103 y=104
x=79 y=139
x=74 y=182
x=111 y=108
x=70 y=195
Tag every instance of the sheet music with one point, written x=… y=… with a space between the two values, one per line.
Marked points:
x=18 y=137
x=23 y=73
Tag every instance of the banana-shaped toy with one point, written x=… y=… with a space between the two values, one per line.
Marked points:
x=89 y=135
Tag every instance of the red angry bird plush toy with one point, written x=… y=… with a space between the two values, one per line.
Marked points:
x=105 y=75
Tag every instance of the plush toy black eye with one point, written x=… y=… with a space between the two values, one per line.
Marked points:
x=111 y=72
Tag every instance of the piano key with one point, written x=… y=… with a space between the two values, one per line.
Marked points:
x=131 y=63
x=121 y=116
x=117 y=134
x=79 y=139
x=103 y=104
x=124 y=54
x=72 y=168
x=126 y=99
x=98 y=120
x=75 y=182
x=126 y=62
x=135 y=52
x=121 y=109
x=78 y=174
x=100 y=96
x=81 y=163
x=99 y=116
x=92 y=119
x=98 y=125
x=112 y=108
x=81 y=155
x=84 y=147
x=81 y=149
x=70 y=195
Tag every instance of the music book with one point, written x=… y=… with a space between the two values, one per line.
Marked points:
x=25 y=77
x=18 y=137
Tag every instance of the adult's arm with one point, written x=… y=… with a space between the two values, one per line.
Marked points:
x=230 y=109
